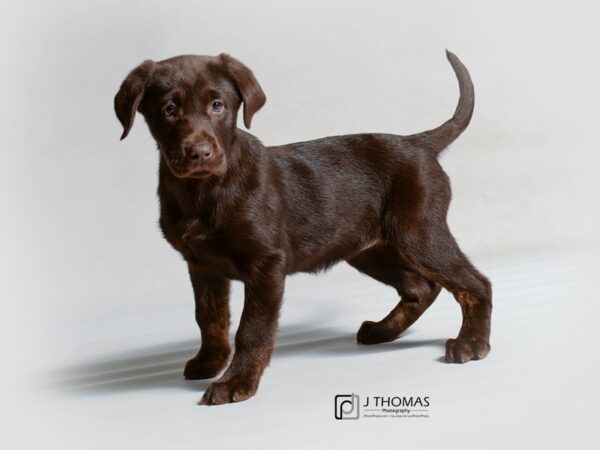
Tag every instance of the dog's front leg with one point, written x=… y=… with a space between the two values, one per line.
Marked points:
x=254 y=340
x=211 y=295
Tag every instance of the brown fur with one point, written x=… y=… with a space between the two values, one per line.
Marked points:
x=236 y=209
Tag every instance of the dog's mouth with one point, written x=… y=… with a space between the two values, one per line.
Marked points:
x=182 y=167
x=199 y=173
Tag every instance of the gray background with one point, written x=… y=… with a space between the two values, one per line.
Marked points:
x=86 y=275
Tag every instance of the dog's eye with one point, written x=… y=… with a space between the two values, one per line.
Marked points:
x=170 y=110
x=217 y=105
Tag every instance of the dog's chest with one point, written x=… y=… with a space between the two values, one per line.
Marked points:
x=212 y=250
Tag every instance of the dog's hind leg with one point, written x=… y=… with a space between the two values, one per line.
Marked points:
x=433 y=251
x=383 y=263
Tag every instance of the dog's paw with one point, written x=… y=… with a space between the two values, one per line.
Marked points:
x=235 y=389
x=202 y=367
x=461 y=349
x=371 y=333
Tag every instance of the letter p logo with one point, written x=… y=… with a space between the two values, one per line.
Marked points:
x=346 y=406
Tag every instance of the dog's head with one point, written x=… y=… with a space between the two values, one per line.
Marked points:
x=190 y=104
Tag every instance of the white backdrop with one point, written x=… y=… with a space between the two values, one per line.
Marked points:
x=82 y=259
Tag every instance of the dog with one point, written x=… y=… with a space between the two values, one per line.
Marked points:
x=238 y=210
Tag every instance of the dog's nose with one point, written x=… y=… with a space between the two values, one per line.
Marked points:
x=199 y=151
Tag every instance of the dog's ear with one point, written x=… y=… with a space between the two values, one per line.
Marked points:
x=252 y=94
x=131 y=93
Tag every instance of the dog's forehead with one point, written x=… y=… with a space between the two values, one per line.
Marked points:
x=187 y=71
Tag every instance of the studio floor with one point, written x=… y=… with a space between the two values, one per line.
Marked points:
x=117 y=383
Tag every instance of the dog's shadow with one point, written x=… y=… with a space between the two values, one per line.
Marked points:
x=162 y=366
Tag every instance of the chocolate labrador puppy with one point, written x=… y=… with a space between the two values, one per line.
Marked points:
x=238 y=210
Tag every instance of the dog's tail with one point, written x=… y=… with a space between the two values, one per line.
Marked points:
x=439 y=138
